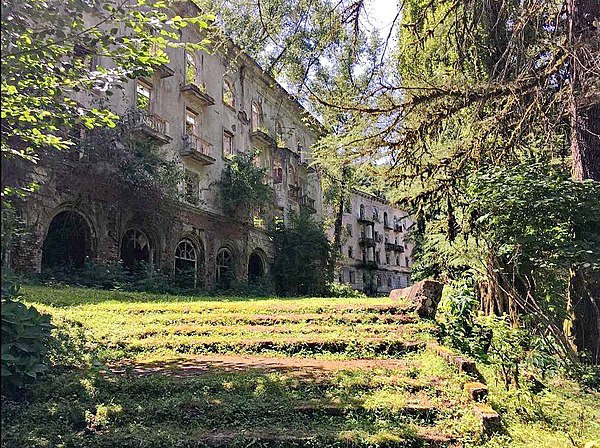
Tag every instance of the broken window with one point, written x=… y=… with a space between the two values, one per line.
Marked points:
x=224 y=267
x=256 y=116
x=191 y=70
x=143 y=96
x=228 y=94
x=67 y=243
x=190 y=122
x=228 y=144
x=277 y=172
x=186 y=264
x=256 y=267
x=135 y=249
x=351 y=276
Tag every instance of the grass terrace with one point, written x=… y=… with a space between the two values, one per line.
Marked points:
x=239 y=372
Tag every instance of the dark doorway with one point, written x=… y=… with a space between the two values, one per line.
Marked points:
x=135 y=248
x=256 y=267
x=67 y=242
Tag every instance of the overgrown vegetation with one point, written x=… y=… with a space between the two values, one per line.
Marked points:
x=25 y=338
x=242 y=186
x=184 y=371
x=301 y=256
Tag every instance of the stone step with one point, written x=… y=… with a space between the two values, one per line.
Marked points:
x=283 y=437
x=424 y=412
x=375 y=346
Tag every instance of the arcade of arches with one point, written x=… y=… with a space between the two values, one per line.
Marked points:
x=70 y=242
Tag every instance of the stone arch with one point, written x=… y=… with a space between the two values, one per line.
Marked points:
x=136 y=246
x=69 y=240
x=257 y=266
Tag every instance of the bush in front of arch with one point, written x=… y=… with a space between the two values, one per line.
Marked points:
x=25 y=338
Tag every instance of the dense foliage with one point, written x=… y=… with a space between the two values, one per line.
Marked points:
x=25 y=337
x=242 y=186
x=301 y=256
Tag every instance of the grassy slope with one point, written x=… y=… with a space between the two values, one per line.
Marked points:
x=345 y=404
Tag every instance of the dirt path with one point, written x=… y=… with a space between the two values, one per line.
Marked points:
x=202 y=364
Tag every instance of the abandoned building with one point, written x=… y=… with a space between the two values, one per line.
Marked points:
x=199 y=110
x=376 y=256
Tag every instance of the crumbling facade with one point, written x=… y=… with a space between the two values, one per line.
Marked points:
x=200 y=109
x=376 y=256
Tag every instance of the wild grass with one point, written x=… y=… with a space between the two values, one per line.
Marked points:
x=182 y=371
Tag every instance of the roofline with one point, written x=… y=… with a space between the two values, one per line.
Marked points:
x=312 y=122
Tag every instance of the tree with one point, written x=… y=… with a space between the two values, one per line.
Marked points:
x=471 y=86
x=301 y=256
x=242 y=186
x=584 y=287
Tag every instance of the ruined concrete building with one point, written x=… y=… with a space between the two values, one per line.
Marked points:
x=376 y=256
x=199 y=110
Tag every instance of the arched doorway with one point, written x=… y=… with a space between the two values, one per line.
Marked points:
x=186 y=264
x=225 y=270
x=256 y=267
x=68 y=241
x=135 y=248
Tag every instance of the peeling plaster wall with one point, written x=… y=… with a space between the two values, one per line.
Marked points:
x=204 y=224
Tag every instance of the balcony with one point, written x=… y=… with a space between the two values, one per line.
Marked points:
x=390 y=247
x=262 y=136
x=163 y=70
x=294 y=193
x=197 y=150
x=398 y=248
x=149 y=125
x=365 y=219
x=197 y=94
x=368 y=242
x=308 y=203
x=369 y=264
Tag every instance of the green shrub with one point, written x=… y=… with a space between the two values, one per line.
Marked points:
x=25 y=335
x=457 y=317
x=343 y=290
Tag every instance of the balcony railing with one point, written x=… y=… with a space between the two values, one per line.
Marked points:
x=149 y=124
x=390 y=247
x=308 y=203
x=365 y=241
x=198 y=149
x=365 y=219
x=398 y=247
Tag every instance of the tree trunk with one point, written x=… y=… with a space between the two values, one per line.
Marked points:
x=584 y=287
x=339 y=216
